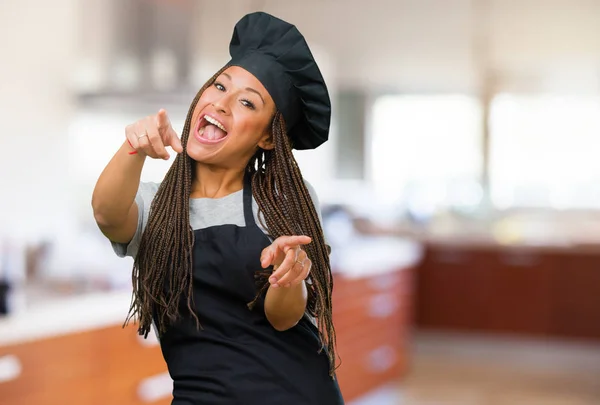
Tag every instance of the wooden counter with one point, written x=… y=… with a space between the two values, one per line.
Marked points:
x=541 y=291
x=100 y=367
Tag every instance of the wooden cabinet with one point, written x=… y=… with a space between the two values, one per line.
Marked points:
x=452 y=288
x=576 y=292
x=519 y=294
x=128 y=362
x=112 y=366
x=100 y=367
x=371 y=316
x=46 y=370
x=533 y=291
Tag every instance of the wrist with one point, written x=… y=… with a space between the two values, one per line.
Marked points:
x=294 y=291
x=132 y=151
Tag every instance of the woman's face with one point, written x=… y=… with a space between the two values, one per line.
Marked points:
x=231 y=120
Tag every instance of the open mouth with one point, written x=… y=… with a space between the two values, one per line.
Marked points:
x=210 y=130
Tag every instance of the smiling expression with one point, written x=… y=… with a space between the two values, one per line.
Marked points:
x=231 y=120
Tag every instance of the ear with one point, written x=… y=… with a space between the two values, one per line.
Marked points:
x=266 y=141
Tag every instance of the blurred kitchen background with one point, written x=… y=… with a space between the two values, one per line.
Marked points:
x=460 y=190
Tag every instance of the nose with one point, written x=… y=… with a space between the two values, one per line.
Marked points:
x=221 y=104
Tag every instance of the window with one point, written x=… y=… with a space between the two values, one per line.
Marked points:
x=426 y=151
x=545 y=151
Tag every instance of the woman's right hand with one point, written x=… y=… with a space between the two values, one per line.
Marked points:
x=151 y=135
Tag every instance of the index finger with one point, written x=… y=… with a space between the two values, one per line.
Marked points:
x=162 y=121
x=167 y=132
x=286 y=242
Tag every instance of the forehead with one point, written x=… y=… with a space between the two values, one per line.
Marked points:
x=242 y=79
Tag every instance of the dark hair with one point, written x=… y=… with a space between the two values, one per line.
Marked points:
x=165 y=252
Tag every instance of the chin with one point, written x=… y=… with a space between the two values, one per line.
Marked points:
x=200 y=153
x=197 y=153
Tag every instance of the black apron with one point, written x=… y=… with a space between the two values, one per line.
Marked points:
x=238 y=358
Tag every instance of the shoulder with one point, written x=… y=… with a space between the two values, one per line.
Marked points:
x=312 y=192
x=308 y=185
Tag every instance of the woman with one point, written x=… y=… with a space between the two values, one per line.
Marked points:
x=230 y=262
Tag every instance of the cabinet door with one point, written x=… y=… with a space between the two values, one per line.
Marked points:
x=370 y=316
x=452 y=286
x=520 y=296
x=576 y=292
x=372 y=360
x=133 y=369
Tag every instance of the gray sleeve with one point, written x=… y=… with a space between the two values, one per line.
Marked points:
x=315 y=199
x=316 y=202
x=143 y=199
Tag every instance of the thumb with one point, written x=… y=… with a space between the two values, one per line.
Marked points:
x=166 y=131
x=175 y=142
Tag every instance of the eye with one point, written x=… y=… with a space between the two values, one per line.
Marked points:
x=248 y=104
x=219 y=86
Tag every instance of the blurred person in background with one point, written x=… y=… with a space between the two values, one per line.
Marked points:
x=231 y=267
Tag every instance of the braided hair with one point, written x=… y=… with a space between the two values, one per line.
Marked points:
x=165 y=253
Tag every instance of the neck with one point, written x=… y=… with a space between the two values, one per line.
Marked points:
x=211 y=182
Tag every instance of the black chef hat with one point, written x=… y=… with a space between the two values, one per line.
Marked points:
x=276 y=53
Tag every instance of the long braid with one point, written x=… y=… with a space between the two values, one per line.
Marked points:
x=162 y=270
x=288 y=209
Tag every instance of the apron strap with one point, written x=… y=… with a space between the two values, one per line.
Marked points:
x=248 y=213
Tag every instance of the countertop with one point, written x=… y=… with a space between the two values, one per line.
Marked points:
x=65 y=315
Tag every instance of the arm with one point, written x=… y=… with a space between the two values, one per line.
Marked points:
x=115 y=210
x=285 y=302
x=284 y=307
x=113 y=200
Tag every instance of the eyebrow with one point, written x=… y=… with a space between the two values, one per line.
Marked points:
x=250 y=89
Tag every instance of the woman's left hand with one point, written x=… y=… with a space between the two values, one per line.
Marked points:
x=290 y=262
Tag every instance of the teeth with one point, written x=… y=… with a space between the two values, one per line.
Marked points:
x=214 y=122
